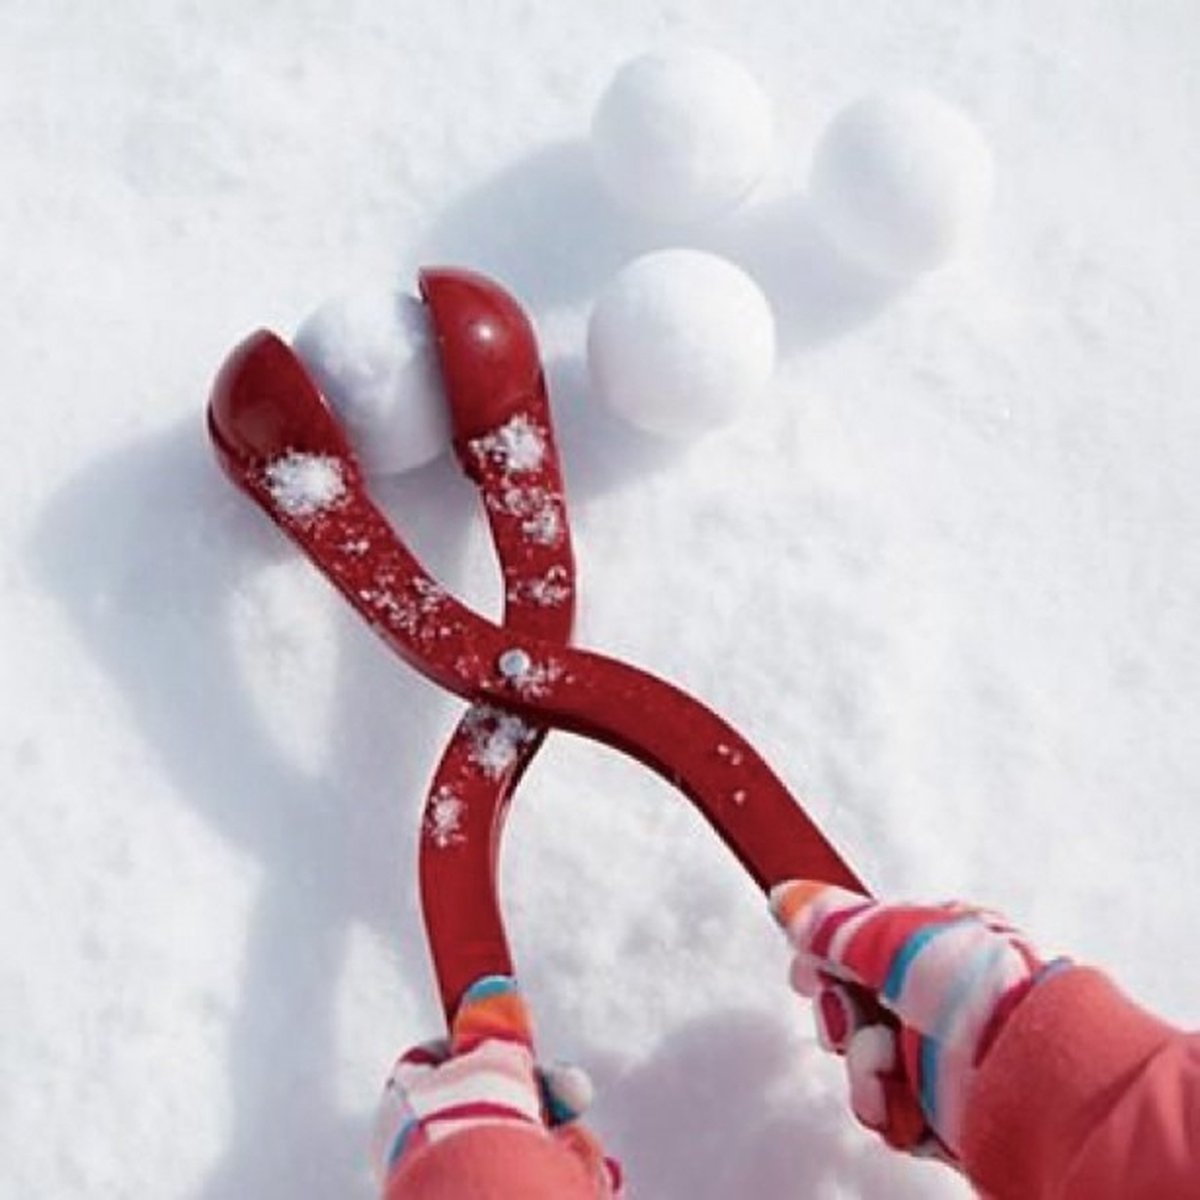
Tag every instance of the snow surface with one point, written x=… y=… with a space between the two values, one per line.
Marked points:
x=946 y=578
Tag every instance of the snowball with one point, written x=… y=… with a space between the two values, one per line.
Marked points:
x=900 y=182
x=681 y=135
x=679 y=342
x=372 y=354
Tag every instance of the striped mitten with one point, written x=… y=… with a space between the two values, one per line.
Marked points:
x=485 y=1075
x=912 y=995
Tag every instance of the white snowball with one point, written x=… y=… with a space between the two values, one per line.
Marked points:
x=681 y=135
x=372 y=355
x=679 y=342
x=900 y=182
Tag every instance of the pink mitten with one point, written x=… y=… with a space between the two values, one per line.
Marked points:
x=485 y=1076
x=912 y=995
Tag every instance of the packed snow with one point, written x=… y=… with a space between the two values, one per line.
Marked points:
x=682 y=134
x=496 y=738
x=901 y=182
x=944 y=573
x=517 y=446
x=304 y=485
x=680 y=342
x=372 y=355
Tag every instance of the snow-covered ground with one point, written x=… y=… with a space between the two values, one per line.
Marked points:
x=946 y=576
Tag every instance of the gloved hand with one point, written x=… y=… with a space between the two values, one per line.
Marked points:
x=912 y=995
x=484 y=1074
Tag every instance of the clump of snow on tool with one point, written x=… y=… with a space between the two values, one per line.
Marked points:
x=544 y=526
x=303 y=485
x=517 y=445
x=540 y=509
x=443 y=818
x=496 y=739
x=548 y=590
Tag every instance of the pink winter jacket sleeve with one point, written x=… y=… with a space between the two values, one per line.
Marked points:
x=495 y=1163
x=1085 y=1096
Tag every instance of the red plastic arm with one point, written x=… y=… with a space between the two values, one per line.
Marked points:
x=498 y=403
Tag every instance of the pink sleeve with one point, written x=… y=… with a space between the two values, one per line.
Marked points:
x=1085 y=1095
x=494 y=1163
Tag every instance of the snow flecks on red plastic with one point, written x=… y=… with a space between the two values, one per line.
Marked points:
x=517 y=447
x=430 y=591
x=305 y=485
x=495 y=739
x=526 y=676
x=537 y=681
x=413 y=610
x=546 y=591
x=733 y=757
x=467 y=666
x=443 y=818
x=538 y=509
x=544 y=526
x=357 y=547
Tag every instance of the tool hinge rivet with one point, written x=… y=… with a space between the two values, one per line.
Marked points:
x=514 y=664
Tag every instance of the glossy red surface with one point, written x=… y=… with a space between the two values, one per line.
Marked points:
x=486 y=347
x=264 y=405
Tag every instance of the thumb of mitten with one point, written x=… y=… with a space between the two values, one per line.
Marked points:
x=567 y=1092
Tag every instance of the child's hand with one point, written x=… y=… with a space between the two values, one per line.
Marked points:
x=912 y=995
x=485 y=1075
